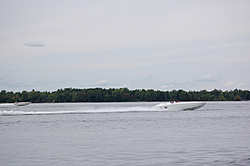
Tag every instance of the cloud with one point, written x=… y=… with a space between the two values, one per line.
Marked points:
x=230 y=84
x=181 y=84
x=234 y=84
x=244 y=85
x=210 y=78
x=37 y=43
x=146 y=47
x=167 y=86
x=101 y=82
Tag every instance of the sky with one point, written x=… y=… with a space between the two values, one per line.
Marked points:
x=163 y=45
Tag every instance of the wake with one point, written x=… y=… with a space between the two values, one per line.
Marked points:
x=86 y=111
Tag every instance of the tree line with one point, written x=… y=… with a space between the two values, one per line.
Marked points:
x=122 y=95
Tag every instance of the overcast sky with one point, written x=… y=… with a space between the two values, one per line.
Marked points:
x=140 y=44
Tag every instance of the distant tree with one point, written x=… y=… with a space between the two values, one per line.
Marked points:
x=121 y=95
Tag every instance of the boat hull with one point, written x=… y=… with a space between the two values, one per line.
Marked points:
x=181 y=105
x=22 y=103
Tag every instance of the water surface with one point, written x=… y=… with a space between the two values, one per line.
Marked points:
x=124 y=134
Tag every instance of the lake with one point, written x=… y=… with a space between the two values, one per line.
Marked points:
x=124 y=134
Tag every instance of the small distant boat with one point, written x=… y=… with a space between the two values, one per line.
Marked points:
x=173 y=105
x=21 y=103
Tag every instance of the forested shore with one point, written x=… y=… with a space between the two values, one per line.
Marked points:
x=122 y=95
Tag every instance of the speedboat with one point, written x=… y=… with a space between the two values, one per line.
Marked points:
x=21 y=103
x=173 y=105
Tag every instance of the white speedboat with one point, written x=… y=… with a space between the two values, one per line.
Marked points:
x=180 y=105
x=21 y=103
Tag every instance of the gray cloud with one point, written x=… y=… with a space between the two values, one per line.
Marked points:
x=34 y=44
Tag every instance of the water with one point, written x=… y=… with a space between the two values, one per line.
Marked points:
x=118 y=134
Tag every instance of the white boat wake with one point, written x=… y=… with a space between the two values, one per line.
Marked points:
x=83 y=111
